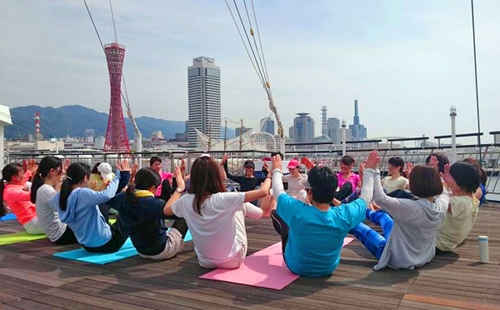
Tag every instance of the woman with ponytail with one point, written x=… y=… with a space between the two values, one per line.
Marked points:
x=46 y=183
x=144 y=216
x=13 y=192
x=77 y=206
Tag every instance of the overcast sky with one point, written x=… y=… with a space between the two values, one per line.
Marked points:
x=406 y=61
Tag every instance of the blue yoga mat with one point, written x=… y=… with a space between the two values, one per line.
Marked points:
x=188 y=237
x=81 y=255
x=8 y=217
x=126 y=251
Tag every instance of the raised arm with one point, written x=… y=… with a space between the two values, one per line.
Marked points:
x=223 y=168
x=369 y=174
x=92 y=197
x=277 y=177
x=262 y=192
x=167 y=210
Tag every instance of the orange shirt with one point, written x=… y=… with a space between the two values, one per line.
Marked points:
x=19 y=202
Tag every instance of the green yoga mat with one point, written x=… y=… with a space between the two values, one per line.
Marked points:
x=17 y=237
x=23 y=236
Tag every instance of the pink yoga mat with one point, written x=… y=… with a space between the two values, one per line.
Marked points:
x=265 y=268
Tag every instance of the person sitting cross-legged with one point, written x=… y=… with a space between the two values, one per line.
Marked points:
x=409 y=226
x=313 y=235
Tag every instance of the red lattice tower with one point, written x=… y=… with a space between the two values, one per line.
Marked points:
x=116 y=134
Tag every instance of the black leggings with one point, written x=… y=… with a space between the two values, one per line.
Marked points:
x=281 y=228
x=117 y=240
x=344 y=191
x=68 y=237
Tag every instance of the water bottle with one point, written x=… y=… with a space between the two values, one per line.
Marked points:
x=484 y=254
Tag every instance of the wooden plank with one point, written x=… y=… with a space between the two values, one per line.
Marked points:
x=29 y=305
x=408 y=304
x=449 y=302
x=101 y=302
x=32 y=277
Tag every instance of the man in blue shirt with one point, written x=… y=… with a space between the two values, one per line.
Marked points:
x=313 y=235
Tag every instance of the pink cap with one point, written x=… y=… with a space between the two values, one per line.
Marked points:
x=293 y=164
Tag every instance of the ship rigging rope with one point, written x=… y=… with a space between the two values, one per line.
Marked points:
x=258 y=60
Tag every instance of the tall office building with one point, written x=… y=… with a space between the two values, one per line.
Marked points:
x=204 y=99
x=333 y=126
x=238 y=131
x=358 y=130
x=267 y=125
x=303 y=128
x=324 y=127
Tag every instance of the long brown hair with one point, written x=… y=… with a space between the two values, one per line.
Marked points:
x=206 y=180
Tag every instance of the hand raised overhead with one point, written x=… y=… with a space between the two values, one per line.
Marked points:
x=123 y=165
x=372 y=160
x=179 y=177
x=277 y=164
x=434 y=161
x=409 y=168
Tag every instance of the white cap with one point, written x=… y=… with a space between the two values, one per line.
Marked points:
x=106 y=171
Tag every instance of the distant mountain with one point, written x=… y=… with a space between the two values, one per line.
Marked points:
x=73 y=120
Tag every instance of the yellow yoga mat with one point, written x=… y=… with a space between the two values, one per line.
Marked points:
x=17 y=237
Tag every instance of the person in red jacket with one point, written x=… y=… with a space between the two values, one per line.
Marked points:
x=14 y=194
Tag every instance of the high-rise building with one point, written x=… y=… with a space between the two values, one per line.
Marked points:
x=267 y=125
x=332 y=126
x=238 y=131
x=116 y=135
x=303 y=128
x=89 y=135
x=204 y=99
x=324 y=123
x=358 y=130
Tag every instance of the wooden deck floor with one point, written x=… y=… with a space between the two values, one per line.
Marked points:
x=31 y=278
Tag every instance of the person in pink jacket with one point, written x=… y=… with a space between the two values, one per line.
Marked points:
x=155 y=164
x=14 y=194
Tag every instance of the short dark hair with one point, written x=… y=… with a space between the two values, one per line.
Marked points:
x=348 y=160
x=466 y=176
x=144 y=179
x=154 y=159
x=482 y=173
x=323 y=183
x=425 y=182
x=442 y=160
x=397 y=162
x=277 y=153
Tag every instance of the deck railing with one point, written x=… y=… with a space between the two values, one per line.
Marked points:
x=323 y=153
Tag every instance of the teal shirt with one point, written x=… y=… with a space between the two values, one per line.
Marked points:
x=315 y=237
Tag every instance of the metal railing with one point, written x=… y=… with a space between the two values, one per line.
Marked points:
x=490 y=153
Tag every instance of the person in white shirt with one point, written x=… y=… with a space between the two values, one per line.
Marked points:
x=216 y=218
x=395 y=180
x=293 y=179
x=47 y=182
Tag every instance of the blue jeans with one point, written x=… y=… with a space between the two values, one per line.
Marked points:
x=372 y=240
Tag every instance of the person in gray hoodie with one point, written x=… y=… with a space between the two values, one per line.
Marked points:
x=409 y=226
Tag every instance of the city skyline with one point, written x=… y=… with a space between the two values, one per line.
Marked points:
x=393 y=57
